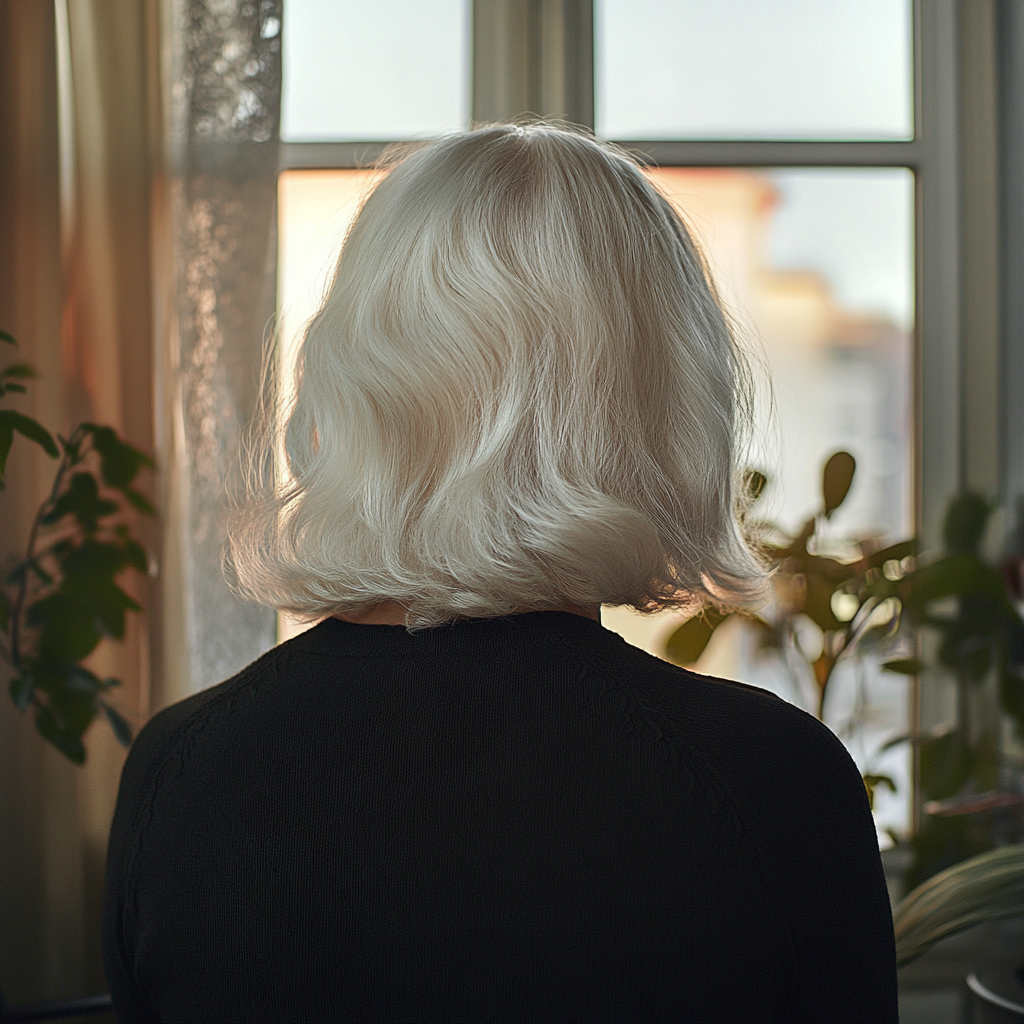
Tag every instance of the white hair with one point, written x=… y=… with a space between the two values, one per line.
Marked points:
x=520 y=392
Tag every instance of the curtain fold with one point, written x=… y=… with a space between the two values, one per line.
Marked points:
x=41 y=885
x=138 y=164
x=107 y=340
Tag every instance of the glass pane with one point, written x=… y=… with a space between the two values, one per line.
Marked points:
x=394 y=69
x=754 y=69
x=817 y=269
x=315 y=209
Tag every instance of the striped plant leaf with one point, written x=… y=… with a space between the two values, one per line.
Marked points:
x=984 y=888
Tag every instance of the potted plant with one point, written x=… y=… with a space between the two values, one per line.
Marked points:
x=984 y=888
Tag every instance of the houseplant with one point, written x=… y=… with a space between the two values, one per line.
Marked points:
x=953 y=607
x=62 y=596
x=974 y=635
x=984 y=888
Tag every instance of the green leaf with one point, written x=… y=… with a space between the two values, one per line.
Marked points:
x=836 y=480
x=140 y=502
x=41 y=574
x=89 y=572
x=22 y=688
x=122 y=730
x=6 y=440
x=135 y=555
x=30 y=429
x=904 y=666
x=95 y=561
x=895 y=741
x=73 y=709
x=946 y=764
x=21 y=371
x=872 y=782
x=985 y=888
x=893 y=553
x=81 y=680
x=82 y=500
x=955 y=576
x=69 y=630
x=880 y=780
x=65 y=740
x=9 y=338
x=687 y=643
x=119 y=461
x=16 y=389
x=70 y=448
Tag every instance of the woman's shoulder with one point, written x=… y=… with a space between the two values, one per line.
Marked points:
x=168 y=732
x=750 y=738
x=705 y=699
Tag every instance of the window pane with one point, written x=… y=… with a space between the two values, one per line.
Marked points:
x=754 y=69
x=315 y=210
x=392 y=69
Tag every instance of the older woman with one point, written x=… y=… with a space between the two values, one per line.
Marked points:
x=458 y=798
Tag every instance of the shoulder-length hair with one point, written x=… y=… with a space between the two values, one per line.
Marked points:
x=520 y=392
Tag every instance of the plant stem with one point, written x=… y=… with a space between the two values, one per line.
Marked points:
x=963 y=705
x=66 y=462
x=853 y=633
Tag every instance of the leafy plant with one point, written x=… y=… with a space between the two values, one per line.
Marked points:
x=988 y=887
x=62 y=597
x=837 y=595
x=962 y=601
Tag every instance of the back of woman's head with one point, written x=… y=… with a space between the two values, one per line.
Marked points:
x=520 y=392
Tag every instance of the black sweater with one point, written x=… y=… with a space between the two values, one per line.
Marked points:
x=520 y=819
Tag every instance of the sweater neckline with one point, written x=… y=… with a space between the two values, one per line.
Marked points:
x=334 y=636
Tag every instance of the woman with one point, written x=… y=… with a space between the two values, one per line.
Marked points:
x=458 y=798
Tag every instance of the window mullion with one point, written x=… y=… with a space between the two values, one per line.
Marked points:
x=533 y=57
x=731 y=153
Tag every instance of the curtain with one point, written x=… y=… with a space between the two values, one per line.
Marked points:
x=138 y=163
x=223 y=131
x=41 y=883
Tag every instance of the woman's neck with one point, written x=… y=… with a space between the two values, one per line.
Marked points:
x=392 y=613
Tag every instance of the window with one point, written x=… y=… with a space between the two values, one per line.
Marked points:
x=380 y=71
x=806 y=142
x=745 y=69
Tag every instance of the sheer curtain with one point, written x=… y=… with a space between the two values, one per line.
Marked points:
x=223 y=117
x=138 y=164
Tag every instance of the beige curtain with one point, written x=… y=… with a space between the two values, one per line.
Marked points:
x=76 y=289
x=138 y=163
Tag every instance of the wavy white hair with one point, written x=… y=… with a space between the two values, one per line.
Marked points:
x=520 y=392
